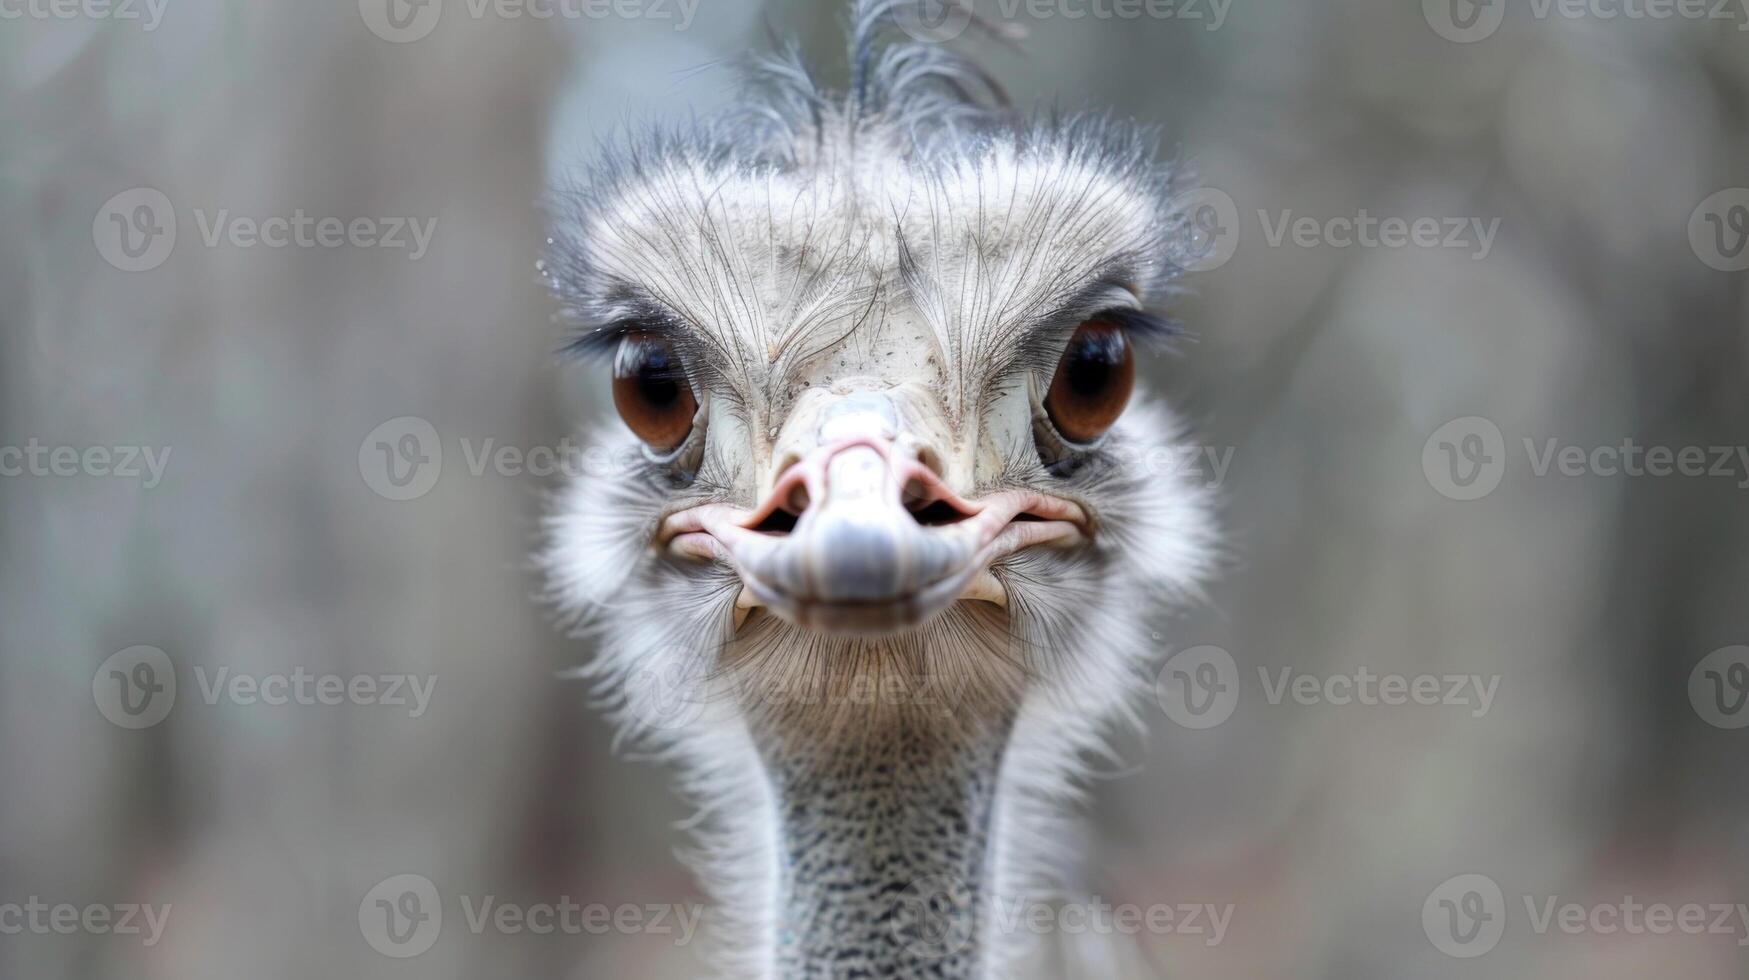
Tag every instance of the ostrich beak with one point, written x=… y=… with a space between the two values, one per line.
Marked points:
x=860 y=538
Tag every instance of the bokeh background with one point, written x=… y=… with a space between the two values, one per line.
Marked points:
x=1321 y=374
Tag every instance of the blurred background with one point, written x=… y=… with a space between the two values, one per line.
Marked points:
x=300 y=479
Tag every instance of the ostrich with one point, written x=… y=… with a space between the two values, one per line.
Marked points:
x=877 y=571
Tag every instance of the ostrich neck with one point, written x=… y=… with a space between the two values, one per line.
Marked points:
x=884 y=847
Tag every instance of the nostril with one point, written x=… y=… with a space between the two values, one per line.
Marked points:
x=779 y=521
x=915 y=495
x=928 y=509
x=858 y=474
x=937 y=514
x=929 y=459
x=923 y=498
x=785 y=512
x=789 y=461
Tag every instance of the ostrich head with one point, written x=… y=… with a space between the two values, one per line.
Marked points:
x=881 y=556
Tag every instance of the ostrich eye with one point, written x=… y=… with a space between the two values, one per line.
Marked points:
x=651 y=392
x=1093 y=381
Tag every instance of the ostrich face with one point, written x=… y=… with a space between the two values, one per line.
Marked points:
x=876 y=389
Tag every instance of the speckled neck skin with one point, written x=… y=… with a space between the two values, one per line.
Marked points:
x=884 y=849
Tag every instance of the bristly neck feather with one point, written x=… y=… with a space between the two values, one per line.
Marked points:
x=881 y=760
x=885 y=848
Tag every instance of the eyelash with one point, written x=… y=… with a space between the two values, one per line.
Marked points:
x=600 y=343
x=1145 y=329
x=1039 y=353
x=1142 y=326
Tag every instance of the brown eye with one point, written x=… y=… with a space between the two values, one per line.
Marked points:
x=1093 y=381
x=651 y=392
